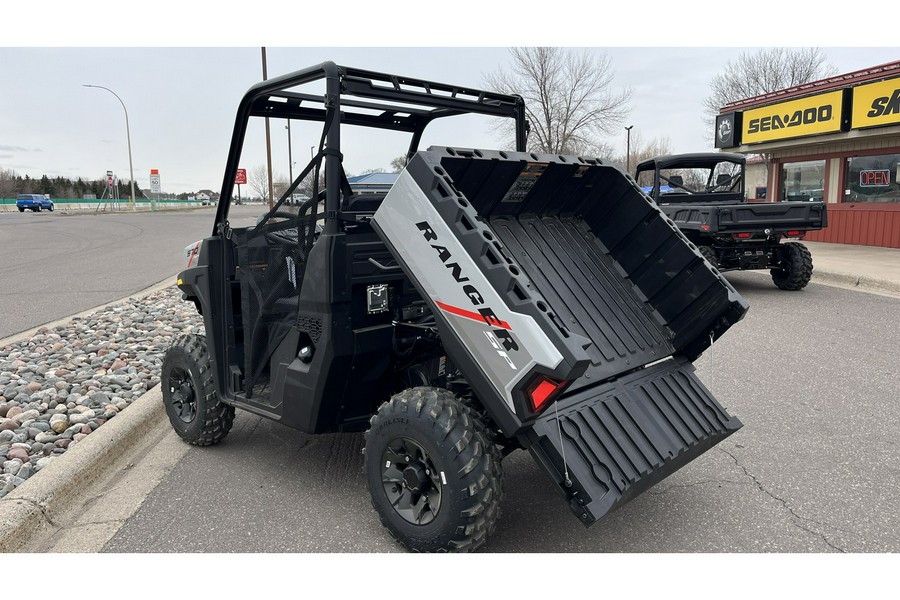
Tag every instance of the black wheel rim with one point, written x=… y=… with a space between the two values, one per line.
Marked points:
x=184 y=398
x=411 y=483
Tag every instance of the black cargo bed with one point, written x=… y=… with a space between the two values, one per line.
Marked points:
x=587 y=291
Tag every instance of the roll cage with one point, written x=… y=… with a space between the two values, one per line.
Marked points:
x=355 y=97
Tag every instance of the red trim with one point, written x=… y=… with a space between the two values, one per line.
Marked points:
x=885 y=71
x=470 y=315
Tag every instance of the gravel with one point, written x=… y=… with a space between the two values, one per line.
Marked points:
x=62 y=384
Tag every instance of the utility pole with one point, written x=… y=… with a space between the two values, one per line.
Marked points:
x=628 y=150
x=268 y=137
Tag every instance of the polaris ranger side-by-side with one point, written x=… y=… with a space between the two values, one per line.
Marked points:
x=490 y=301
x=703 y=194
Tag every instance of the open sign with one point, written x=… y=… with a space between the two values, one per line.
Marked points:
x=875 y=178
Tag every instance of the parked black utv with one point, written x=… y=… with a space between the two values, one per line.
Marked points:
x=490 y=301
x=703 y=193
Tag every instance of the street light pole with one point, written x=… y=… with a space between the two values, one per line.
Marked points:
x=628 y=150
x=268 y=138
x=290 y=158
x=127 y=133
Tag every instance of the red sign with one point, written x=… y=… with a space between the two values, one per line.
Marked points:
x=241 y=177
x=875 y=178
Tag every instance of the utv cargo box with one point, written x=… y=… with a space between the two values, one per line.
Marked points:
x=557 y=271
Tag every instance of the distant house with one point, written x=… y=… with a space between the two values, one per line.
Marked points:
x=208 y=195
x=372 y=182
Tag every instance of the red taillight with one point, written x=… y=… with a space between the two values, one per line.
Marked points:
x=704 y=227
x=543 y=390
x=792 y=233
x=743 y=236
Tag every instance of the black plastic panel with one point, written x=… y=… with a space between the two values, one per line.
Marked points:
x=587 y=292
x=608 y=260
x=620 y=440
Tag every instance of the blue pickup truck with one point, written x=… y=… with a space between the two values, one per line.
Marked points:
x=34 y=202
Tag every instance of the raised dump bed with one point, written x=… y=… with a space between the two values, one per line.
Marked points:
x=587 y=294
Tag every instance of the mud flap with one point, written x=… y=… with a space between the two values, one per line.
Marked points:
x=619 y=439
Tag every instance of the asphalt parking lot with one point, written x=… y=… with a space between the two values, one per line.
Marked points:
x=813 y=376
x=814 y=469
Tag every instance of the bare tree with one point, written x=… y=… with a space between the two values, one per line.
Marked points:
x=7 y=184
x=764 y=71
x=641 y=150
x=258 y=180
x=306 y=186
x=399 y=163
x=280 y=185
x=568 y=97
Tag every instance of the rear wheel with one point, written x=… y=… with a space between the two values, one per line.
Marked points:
x=795 y=268
x=189 y=393
x=709 y=254
x=433 y=472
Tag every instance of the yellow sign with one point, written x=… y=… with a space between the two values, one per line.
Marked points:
x=876 y=104
x=795 y=118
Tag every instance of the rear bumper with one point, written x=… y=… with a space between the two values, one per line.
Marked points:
x=621 y=438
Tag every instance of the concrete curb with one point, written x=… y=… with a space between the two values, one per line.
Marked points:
x=31 y=508
x=860 y=282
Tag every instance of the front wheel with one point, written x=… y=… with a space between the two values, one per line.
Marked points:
x=21 y=209
x=37 y=208
x=189 y=393
x=795 y=267
x=433 y=472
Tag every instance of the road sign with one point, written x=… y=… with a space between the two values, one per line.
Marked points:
x=155 y=186
x=241 y=177
x=109 y=179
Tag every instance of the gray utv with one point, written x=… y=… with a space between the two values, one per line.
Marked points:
x=490 y=301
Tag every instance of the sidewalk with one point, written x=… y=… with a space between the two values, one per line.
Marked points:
x=867 y=268
x=36 y=507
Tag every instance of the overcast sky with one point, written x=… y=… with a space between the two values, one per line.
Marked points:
x=181 y=99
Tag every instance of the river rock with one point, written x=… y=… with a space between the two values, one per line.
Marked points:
x=19 y=453
x=59 y=423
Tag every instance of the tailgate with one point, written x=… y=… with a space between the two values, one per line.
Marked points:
x=779 y=217
x=617 y=440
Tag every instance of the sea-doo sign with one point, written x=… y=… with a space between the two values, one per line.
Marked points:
x=797 y=118
x=876 y=104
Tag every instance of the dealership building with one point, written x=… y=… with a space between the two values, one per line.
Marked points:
x=836 y=139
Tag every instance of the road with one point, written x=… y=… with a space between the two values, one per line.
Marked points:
x=56 y=264
x=813 y=376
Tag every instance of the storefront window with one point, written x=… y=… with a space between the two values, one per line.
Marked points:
x=872 y=179
x=803 y=181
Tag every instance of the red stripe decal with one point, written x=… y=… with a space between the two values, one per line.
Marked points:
x=471 y=315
